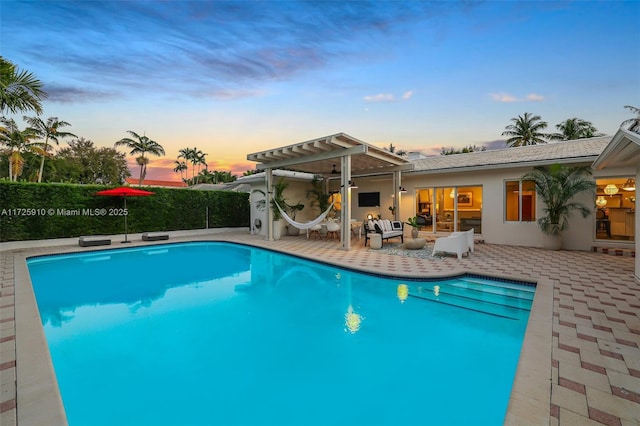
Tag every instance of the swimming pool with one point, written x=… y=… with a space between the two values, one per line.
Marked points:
x=217 y=333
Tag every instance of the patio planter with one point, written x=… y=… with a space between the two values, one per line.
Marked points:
x=552 y=242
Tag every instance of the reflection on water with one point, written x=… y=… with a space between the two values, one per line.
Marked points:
x=135 y=277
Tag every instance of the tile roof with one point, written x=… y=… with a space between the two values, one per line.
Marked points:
x=579 y=150
x=154 y=182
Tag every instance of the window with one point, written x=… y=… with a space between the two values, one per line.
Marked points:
x=615 y=208
x=520 y=201
x=449 y=209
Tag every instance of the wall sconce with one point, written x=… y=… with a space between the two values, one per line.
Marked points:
x=611 y=189
x=402 y=190
x=334 y=171
x=369 y=216
x=453 y=193
x=601 y=201
x=629 y=185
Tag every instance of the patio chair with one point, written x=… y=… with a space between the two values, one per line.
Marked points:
x=333 y=231
x=315 y=231
x=469 y=234
x=457 y=244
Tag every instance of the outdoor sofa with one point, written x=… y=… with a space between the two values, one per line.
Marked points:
x=386 y=228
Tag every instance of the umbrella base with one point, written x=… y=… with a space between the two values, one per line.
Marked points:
x=124 y=242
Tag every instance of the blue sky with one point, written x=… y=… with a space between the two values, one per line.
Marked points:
x=237 y=77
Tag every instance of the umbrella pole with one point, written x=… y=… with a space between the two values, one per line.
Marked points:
x=125 y=220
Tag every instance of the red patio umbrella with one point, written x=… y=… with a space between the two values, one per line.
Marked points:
x=125 y=191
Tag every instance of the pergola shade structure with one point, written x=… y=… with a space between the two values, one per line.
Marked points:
x=351 y=156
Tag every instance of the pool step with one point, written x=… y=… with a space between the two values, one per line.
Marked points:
x=493 y=299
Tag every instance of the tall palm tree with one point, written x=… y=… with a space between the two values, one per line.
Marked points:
x=199 y=159
x=141 y=145
x=196 y=157
x=634 y=123
x=20 y=90
x=526 y=130
x=48 y=131
x=18 y=142
x=575 y=128
x=180 y=167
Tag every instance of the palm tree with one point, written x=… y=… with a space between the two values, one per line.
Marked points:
x=18 y=141
x=48 y=131
x=141 y=145
x=199 y=159
x=556 y=186
x=575 y=128
x=196 y=158
x=634 y=123
x=526 y=130
x=20 y=90
x=180 y=167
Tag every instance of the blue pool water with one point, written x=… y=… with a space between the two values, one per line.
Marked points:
x=224 y=334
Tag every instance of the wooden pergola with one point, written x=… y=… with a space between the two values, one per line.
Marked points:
x=318 y=156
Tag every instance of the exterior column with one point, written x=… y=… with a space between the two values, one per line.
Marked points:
x=268 y=176
x=345 y=212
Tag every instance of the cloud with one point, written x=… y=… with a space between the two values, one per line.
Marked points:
x=186 y=48
x=535 y=97
x=69 y=94
x=388 y=97
x=503 y=97
x=380 y=97
x=507 y=98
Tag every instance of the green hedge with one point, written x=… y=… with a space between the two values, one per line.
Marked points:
x=34 y=211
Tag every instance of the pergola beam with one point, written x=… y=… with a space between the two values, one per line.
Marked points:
x=360 y=149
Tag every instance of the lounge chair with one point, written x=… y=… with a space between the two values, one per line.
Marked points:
x=94 y=240
x=457 y=244
x=469 y=234
x=386 y=228
x=154 y=236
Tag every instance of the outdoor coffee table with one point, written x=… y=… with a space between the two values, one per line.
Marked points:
x=414 y=243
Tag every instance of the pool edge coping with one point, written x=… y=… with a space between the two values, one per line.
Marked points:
x=37 y=385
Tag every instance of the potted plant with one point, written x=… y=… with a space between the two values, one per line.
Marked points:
x=293 y=210
x=319 y=198
x=415 y=227
x=278 y=197
x=556 y=186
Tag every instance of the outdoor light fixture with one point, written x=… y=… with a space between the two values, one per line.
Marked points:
x=402 y=190
x=601 y=201
x=611 y=189
x=334 y=171
x=369 y=216
x=629 y=185
x=453 y=193
x=351 y=184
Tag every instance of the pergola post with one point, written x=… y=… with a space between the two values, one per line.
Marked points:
x=345 y=194
x=268 y=177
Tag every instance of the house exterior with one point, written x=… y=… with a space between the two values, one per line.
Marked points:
x=483 y=190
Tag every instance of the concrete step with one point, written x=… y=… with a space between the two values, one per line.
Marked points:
x=615 y=251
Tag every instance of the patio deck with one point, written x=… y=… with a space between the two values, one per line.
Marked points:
x=580 y=362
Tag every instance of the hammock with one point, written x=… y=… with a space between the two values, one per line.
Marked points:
x=304 y=225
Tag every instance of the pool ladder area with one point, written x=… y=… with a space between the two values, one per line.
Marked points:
x=489 y=297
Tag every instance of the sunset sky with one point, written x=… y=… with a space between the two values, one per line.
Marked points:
x=232 y=78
